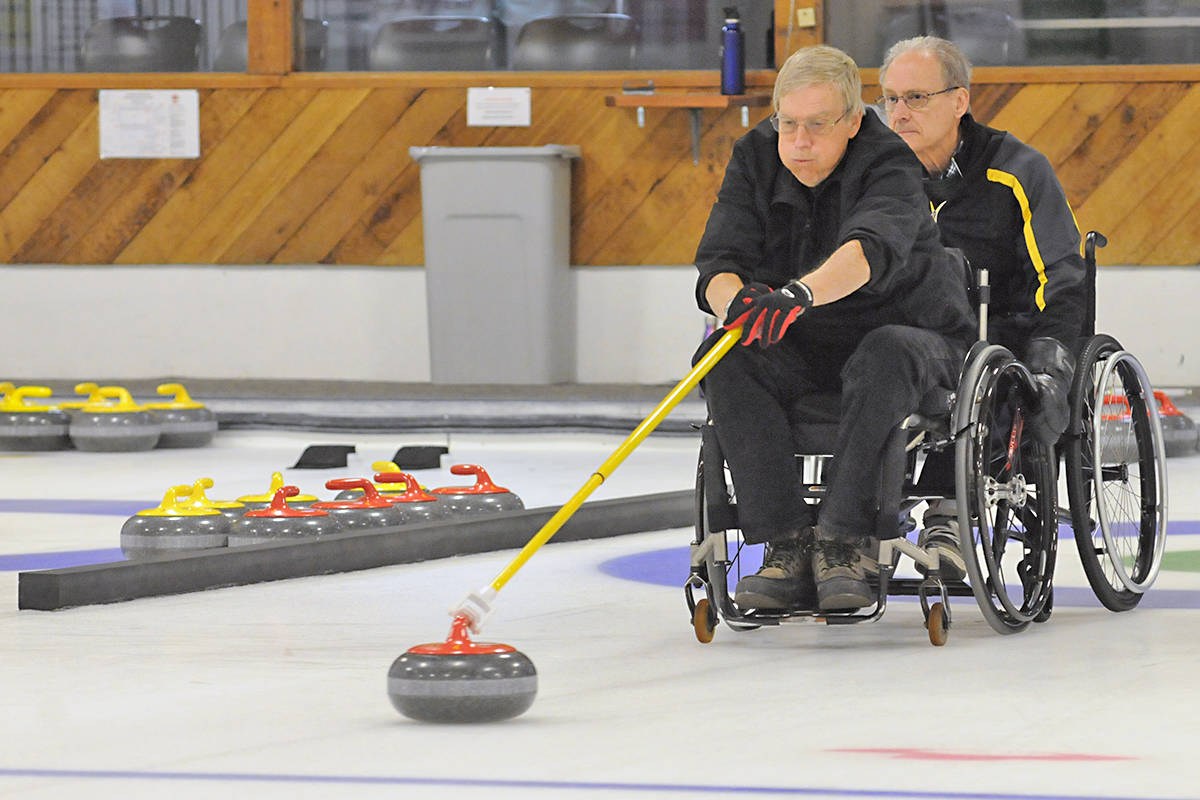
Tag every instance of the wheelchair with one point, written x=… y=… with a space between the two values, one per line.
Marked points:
x=1006 y=487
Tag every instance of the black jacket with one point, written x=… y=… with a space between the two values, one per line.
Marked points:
x=768 y=227
x=1008 y=213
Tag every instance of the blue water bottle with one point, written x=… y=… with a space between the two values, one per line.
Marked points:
x=733 y=54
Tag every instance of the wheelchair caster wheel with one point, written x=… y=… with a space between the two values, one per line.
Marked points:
x=704 y=622
x=938 y=625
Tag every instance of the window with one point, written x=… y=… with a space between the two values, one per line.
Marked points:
x=1024 y=32
x=113 y=35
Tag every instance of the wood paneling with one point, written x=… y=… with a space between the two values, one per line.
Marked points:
x=317 y=170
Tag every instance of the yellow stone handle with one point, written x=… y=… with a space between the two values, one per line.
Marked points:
x=14 y=398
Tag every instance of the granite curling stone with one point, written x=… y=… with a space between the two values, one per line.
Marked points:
x=1178 y=429
x=114 y=425
x=415 y=504
x=172 y=527
x=484 y=497
x=367 y=513
x=281 y=523
x=459 y=681
x=185 y=422
x=27 y=426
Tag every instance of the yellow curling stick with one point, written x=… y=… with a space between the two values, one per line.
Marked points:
x=477 y=606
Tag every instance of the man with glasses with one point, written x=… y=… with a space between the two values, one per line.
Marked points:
x=821 y=248
x=999 y=201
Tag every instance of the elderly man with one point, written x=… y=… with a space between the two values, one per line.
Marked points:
x=999 y=201
x=821 y=247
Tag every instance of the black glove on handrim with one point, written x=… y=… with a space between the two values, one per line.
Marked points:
x=1052 y=366
x=774 y=313
x=740 y=307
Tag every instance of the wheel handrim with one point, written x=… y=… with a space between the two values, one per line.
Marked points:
x=1127 y=498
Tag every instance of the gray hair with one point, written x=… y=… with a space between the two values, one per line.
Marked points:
x=956 y=69
x=820 y=64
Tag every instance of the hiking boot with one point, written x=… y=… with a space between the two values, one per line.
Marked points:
x=785 y=580
x=941 y=535
x=840 y=574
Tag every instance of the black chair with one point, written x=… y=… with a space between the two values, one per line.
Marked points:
x=311 y=39
x=437 y=43
x=577 y=41
x=987 y=33
x=142 y=44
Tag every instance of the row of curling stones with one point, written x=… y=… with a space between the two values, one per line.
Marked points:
x=188 y=520
x=483 y=497
x=107 y=421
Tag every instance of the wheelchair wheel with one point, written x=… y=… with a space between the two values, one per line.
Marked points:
x=1006 y=483
x=1116 y=474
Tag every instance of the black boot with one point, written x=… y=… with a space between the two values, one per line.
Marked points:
x=840 y=574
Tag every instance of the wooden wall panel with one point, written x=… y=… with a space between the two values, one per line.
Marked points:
x=321 y=173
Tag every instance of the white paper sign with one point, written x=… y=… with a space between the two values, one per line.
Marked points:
x=498 y=107
x=149 y=123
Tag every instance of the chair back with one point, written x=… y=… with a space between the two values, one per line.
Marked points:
x=577 y=41
x=311 y=40
x=437 y=43
x=986 y=32
x=142 y=44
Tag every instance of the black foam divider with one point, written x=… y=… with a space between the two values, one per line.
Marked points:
x=49 y=590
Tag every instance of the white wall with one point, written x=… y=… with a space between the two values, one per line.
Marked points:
x=635 y=324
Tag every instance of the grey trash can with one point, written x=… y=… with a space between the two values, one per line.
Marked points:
x=497 y=225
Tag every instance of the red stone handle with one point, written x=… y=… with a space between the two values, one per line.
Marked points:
x=413 y=493
x=279 y=500
x=483 y=481
x=349 y=484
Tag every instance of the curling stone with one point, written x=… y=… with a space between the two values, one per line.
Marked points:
x=484 y=497
x=199 y=498
x=1179 y=431
x=384 y=488
x=415 y=504
x=280 y=523
x=28 y=426
x=368 y=512
x=462 y=681
x=114 y=427
x=185 y=423
x=254 y=502
x=174 y=526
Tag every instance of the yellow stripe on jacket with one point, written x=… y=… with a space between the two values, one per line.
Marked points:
x=1035 y=255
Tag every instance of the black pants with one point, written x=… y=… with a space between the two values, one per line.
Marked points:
x=755 y=396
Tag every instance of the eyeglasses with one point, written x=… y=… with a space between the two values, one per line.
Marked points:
x=914 y=100
x=816 y=128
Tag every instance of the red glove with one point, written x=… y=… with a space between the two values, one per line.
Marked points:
x=739 y=308
x=772 y=314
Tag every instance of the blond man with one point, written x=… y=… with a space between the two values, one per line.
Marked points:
x=821 y=247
